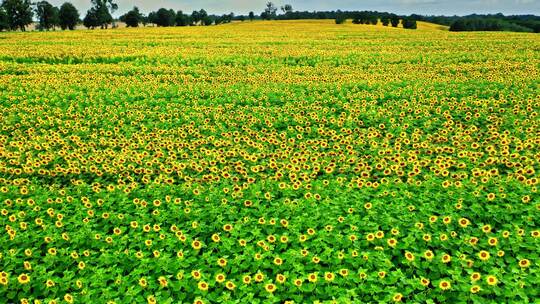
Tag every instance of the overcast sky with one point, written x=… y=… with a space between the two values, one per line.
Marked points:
x=428 y=7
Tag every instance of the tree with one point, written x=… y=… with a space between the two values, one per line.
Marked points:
x=132 y=18
x=251 y=16
x=91 y=20
x=340 y=19
x=269 y=12
x=100 y=13
x=164 y=17
x=47 y=15
x=68 y=17
x=195 y=17
x=409 y=23
x=19 y=13
x=287 y=9
x=394 y=20
x=182 y=19
x=207 y=20
x=385 y=21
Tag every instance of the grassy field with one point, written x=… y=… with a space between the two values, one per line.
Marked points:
x=267 y=162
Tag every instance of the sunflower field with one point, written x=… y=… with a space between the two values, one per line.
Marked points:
x=269 y=162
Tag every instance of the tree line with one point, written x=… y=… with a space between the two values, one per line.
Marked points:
x=18 y=14
x=489 y=22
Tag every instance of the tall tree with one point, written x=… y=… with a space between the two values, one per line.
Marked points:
x=91 y=19
x=251 y=16
x=68 y=16
x=195 y=17
x=269 y=12
x=287 y=9
x=394 y=20
x=164 y=17
x=132 y=18
x=182 y=19
x=19 y=13
x=100 y=13
x=47 y=15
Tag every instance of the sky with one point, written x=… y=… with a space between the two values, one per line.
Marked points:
x=425 y=7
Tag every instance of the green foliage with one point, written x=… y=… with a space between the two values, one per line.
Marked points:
x=132 y=18
x=100 y=14
x=409 y=23
x=19 y=13
x=182 y=19
x=47 y=15
x=481 y=24
x=340 y=19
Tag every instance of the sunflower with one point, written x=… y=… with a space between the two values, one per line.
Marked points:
x=23 y=278
x=446 y=258
x=329 y=276
x=524 y=263
x=409 y=256
x=475 y=289
x=270 y=287
x=483 y=255
x=397 y=297
x=196 y=245
x=222 y=262
x=220 y=278
x=492 y=280
x=163 y=281
x=143 y=282
x=445 y=285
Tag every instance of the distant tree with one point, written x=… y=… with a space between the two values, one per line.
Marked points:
x=340 y=19
x=151 y=17
x=385 y=21
x=91 y=20
x=202 y=14
x=181 y=19
x=47 y=15
x=100 y=13
x=164 y=17
x=251 y=16
x=394 y=20
x=19 y=13
x=68 y=16
x=269 y=12
x=207 y=20
x=132 y=18
x=409 y=23
x=242 y=18
x=195 y=17
x=55 y=17
x=287 y=9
